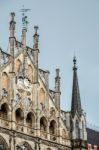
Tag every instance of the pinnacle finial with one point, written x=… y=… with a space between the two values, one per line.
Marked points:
x=36 y=29
x=57 y=72
x=12 y=16
x=36 y=38
x=74 y=60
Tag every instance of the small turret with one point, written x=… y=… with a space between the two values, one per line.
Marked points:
x=12 y=39
x=57 y=89
x=12 y=25
x=35 y=53
x=36 y=38
x=24 y=30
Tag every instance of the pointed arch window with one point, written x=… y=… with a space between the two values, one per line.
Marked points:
x=4 y=111
x=53 y=130
x=30 y=119
x=19 y=114
x=43 y=127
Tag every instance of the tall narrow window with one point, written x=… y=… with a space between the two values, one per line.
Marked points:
x=77 y=130
x=53 y=130
x=83 y=130
x=4 y=111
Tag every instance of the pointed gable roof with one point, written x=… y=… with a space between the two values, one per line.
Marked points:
x=76 y=102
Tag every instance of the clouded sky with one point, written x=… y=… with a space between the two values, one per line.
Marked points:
x=65 y=27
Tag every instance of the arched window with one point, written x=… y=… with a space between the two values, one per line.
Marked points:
x=53 y=130
x=42 y=96
x=77 y=130
x=30 y=119
x=30 y=73
x=5 y=81
x=4 y=111
x=19 y=116
x=43 y=127
x=43 y=124
x=18 y=66
x=3 y=144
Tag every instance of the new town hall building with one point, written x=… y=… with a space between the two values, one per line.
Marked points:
x=30 y=113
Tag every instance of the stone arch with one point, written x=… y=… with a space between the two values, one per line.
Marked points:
x=53 y=129
x=30 y=73
x=30 y=119
x=24 y=145
x=5 y=84
x=42 y=96
x=3 y=144
x=4 y=110
x=18 y=65
x=19 y=115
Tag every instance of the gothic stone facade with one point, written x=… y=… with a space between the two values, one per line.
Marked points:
x=30 y=114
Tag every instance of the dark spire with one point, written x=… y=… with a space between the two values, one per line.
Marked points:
x=76 y=102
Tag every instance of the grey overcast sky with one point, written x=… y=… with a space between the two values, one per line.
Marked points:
x=65 y=27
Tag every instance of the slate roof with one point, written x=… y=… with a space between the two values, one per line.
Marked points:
x=93 y=137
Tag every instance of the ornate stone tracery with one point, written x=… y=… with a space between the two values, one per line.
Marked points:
x=23 y=146
x=3 y=144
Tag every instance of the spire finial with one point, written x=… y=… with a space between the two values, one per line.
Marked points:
x=57 y=72
x=74 y=60
x=36 y=29
x=36 y=38
x=12 y=16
